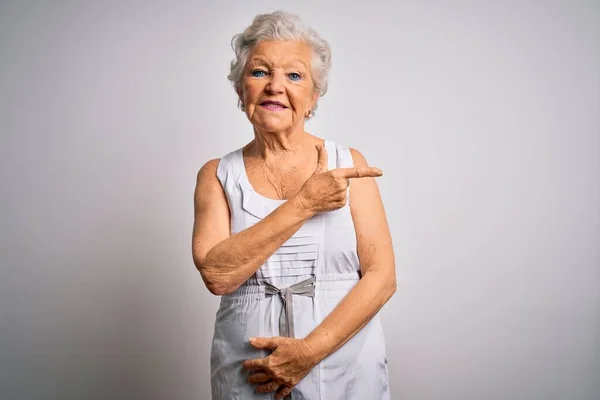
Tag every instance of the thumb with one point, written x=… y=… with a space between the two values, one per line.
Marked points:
x=270 y=343
x=321 y=160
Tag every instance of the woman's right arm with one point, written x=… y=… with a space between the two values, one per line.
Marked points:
x=225 y=262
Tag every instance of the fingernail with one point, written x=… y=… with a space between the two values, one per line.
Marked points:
x=251 y=340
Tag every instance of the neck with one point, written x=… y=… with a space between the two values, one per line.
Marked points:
x=274 y=144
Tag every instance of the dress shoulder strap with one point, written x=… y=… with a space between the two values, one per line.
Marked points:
x=228 y=170
x=343 y=157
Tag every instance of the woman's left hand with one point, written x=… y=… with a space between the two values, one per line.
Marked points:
x=291 y=360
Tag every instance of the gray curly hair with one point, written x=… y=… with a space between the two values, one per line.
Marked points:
x=280 y=25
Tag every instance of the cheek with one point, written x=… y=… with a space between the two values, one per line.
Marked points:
x=249 y=90
x=300 y=100
x=300 y=93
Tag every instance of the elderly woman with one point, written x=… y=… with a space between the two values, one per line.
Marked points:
x=302 y=259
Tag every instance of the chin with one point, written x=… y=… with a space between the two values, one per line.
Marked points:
x=272 y=125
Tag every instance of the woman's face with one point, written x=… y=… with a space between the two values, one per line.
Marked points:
x=277 y=87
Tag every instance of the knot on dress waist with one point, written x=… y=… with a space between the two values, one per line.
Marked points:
x=286 y=318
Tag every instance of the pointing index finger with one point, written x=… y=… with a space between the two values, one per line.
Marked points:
x=361 y=172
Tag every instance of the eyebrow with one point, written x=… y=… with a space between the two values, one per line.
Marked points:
x=261 y=60
x=301 y=62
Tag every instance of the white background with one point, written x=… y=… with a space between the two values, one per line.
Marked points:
x=483 y=115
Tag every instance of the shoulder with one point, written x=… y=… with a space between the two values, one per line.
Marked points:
x=348 y=157
x=358 y=158
x=209 y=190
x=218 y=167
x=208 y=171
x=365 y=190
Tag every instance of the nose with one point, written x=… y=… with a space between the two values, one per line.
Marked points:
x=276 y=83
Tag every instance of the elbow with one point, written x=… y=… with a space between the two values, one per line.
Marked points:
x=390 y=285
x=393 y=286
x=217 y=284
x=217 y=289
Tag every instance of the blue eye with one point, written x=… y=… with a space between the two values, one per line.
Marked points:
x=258 y=73
x=294 y=76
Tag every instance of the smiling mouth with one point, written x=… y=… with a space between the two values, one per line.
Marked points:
x=273 y=105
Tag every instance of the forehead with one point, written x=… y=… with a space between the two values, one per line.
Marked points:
x=281 y=52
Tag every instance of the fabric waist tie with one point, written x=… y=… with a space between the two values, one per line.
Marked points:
x=286 y=318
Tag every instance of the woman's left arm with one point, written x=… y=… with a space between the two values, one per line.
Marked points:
x=355 y=310
x=377 y=264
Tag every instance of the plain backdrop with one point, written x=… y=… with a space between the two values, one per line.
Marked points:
x=483 y=115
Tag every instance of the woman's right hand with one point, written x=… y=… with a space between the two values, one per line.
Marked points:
x=326 y=190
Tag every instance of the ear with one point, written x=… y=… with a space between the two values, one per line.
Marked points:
x=315 y=98
x=240 y=99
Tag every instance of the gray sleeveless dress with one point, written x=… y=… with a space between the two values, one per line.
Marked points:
x=296 y=288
